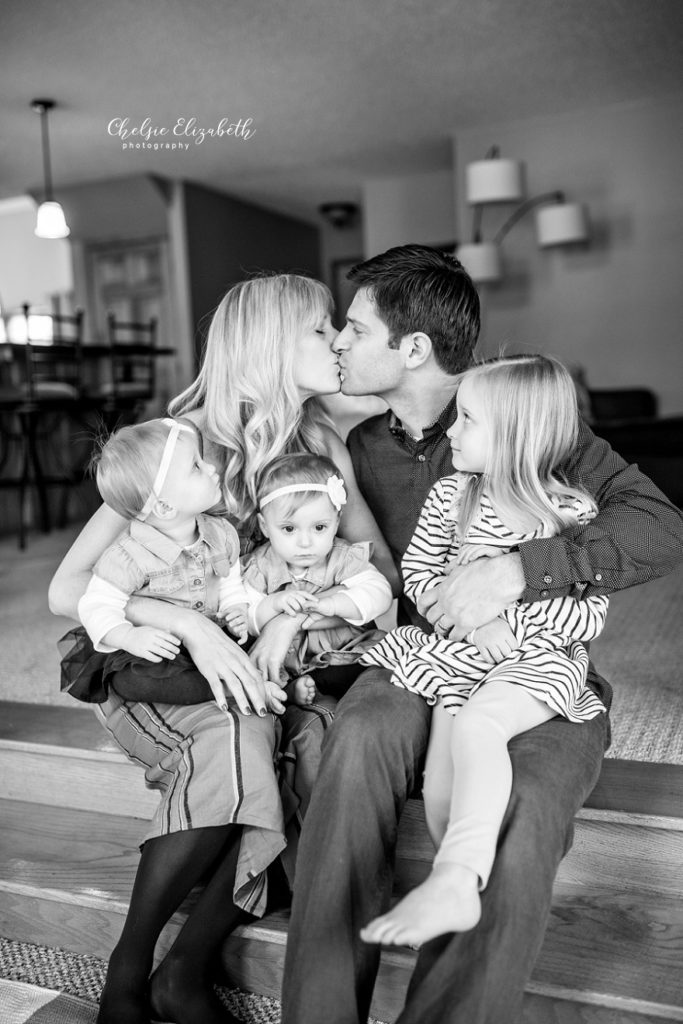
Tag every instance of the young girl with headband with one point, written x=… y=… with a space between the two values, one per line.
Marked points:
x=331 y=589
x=516 y=427
x=153 y=475
x=305 y=570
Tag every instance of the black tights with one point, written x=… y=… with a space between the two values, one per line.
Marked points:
x=180 y=990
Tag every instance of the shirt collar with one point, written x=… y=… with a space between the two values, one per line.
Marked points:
x=212 y=532
x=167 y=549
x=279 y=572
x=440 y=425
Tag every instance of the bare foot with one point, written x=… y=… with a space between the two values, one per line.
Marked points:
x=304 y=690
x=447 y=901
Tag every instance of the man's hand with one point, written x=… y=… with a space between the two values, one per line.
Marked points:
x=494 y=640
x=473 y=594
x=471 y=552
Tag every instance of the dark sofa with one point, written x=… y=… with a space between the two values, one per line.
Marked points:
x=627 y=418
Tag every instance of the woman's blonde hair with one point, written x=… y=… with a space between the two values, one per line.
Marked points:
x=530 y=406
x=245 y=388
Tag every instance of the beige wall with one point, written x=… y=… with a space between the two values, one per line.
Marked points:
x=615 y=307
x=408 y=208
x=31 y=269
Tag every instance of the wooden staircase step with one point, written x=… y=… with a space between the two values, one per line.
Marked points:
x=75 y=727
x=64 y=756
x=103 y=781
x=614 y=942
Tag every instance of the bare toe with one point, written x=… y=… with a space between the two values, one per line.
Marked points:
x=304 y=690
x=447 y=901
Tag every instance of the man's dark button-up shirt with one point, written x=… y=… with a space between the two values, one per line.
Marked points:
x=637 y=535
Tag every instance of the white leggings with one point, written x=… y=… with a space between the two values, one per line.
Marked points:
x=468 y=775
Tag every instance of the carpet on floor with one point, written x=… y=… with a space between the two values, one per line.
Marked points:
x=53 y=982
x=26 y=1004
x=43 y=985
x=640 y=652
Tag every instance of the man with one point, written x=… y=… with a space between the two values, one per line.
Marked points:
x=411 y=329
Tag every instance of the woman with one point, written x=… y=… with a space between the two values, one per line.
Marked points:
x=268 y=357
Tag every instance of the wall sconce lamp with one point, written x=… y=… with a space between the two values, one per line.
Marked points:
x=493 y=180
x=50 y=220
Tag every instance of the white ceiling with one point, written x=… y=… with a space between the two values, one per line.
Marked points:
x=338 y=92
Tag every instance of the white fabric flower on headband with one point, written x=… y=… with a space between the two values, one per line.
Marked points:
x=334 y=489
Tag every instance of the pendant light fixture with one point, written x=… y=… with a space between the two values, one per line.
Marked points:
x=50 y=220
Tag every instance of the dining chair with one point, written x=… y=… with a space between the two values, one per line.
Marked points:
x=54 y=365
x=132 y=368
x=42 y=399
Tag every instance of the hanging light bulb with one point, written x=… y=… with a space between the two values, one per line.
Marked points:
x=50 y=219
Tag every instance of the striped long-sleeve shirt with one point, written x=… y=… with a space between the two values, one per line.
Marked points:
x=550 y=660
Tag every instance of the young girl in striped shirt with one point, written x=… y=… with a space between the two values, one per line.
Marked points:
x=516 y=426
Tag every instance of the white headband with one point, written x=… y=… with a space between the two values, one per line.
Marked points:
x=334 y=489
x=164 y=465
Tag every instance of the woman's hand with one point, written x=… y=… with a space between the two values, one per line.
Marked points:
x=270 y=648
x=225 y=666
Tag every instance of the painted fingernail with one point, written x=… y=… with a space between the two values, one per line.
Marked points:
x=261 y=712
x=247 y=711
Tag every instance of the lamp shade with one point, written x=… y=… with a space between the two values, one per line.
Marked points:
x=494 y=181
x=50 y=221
x=481 y=260
x=561 y=224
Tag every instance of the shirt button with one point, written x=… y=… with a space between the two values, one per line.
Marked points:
x=598 y=576
x=197 y=583
x=198 y=604
x=547 y=579
x=422 y=458
x=544 y=593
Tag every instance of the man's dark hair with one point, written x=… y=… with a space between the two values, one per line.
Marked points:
x=417 y=288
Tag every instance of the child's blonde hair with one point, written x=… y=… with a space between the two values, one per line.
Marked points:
x=530 y=406
x=245 y=387
x=298 y=468
x=127 y=463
